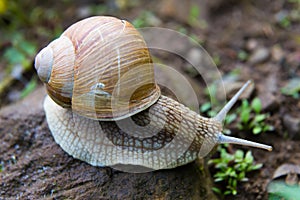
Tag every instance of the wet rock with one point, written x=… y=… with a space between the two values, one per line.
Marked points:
x=33 y=166
x=267 y=90
x=251 y=44
x=292 y=59
x=268 y=100
x=281 y=16
x=259 y=55
x=277 y=53
x=292 y=124
x=13 y=95
x=292 y=87
x=231 y=87
x=183 y=12
x=84 y=11
x=175 y=9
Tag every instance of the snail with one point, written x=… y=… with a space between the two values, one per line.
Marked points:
x=105 y=108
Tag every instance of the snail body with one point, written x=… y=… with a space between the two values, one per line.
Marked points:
x=105 y=108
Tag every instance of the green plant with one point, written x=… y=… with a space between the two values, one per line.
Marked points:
x=21 y=52
x=18 y=60
x=30 y=87
x=217 y=60
x=212 y=107
x=285 y=21
x=146 y=18
x=194 y=18
x=251 y=117
x=207 y=108
x=285 y=18
x=250 y=114
x=231 y=169
x=242 y=55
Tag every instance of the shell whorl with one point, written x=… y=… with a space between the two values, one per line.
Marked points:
x=55 y=67
x=101 y=68
x=43 y=64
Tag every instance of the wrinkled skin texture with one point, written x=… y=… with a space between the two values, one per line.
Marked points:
x=166 y=135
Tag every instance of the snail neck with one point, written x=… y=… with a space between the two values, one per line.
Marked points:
x=196 y=134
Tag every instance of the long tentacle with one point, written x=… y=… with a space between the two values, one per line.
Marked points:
x=222 y=114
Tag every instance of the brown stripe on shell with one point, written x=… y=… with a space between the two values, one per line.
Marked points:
x=60 y=85
x=111 y=51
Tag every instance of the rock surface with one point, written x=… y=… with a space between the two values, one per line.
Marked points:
x=259 y=55
x=33 y=166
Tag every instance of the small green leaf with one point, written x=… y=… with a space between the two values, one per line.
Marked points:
x=248 y=157
x=256 y=105
x=205 y=107
x=234 y=183
x=268 y=128
x=14 y=56
x=230 y=118
x=257 y=130
x=216 y=190
x=218 y=179
x=241 y=176
x=245 y=104
x=194 y=13
x=240 y=126
x=242 y=55
x=239 y=155
x=28 y=48
x=138 y=23
x=29 y=88
x=260 y=117
x=234 y=192
x=245 y=115
x=227 y=192
x=257 y=166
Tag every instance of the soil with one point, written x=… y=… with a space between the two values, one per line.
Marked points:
x=28 y=154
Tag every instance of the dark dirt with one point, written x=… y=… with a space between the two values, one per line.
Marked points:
x=35 y=167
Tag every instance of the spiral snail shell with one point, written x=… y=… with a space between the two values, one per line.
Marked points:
x=99 y=74
x=82 y=69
